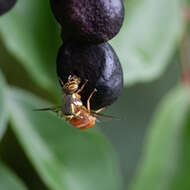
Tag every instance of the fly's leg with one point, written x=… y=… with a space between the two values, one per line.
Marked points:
x=61 y=82
x=67 y=117
x=82 y=87
x=95 y=113
x=88 y=101
x=99 y=110
x=78 y=113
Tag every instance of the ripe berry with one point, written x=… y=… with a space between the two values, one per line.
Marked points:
x=97 y=63
x=6 y=5
x=93 y=21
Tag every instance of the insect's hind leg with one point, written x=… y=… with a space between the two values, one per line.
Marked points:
x=99 y=110
x=88 y=101
x=95 y=113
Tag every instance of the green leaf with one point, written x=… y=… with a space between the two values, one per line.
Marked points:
x=3 y=106
x=8 y=180
x=165 y=165
x=31 y=34
x=188 y=2
x=66 y=158
x=148 y=38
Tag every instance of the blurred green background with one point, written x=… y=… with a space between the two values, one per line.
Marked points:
x=148 y=148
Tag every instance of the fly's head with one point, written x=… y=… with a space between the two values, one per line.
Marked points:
x=72 y=85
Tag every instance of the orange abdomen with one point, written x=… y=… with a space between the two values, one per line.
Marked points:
x=82 y=123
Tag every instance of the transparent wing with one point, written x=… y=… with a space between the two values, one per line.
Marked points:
x=55 y=109
x=104 y=115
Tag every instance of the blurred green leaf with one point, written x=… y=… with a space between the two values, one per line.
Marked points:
x=8 y=181
x=3 y=106
x=188 y=1
x=66 y=158
x=165 y=164
x=31 y=34
x=148 y=38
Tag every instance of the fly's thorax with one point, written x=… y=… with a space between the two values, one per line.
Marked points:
x=71 y=104
x=66 y=104
x=76 y=100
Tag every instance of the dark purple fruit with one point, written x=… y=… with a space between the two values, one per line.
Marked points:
x=93 y=21
x=6 y=5
x=97 y=63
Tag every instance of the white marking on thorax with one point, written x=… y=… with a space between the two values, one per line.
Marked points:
x=78 y=103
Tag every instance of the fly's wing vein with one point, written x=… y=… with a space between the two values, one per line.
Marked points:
x=54 y=109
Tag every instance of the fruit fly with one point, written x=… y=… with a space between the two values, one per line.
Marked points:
x=72 y=108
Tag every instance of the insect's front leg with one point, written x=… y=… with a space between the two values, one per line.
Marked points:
x=61 y=82
x=82 y=87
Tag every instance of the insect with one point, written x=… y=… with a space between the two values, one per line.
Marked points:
x=72 y=108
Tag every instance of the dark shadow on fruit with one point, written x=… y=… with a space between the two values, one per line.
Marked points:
x=6 y=5
x=97 y=63
x=89 y=21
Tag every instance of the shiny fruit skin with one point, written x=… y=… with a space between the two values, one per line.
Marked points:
x=89 y=21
